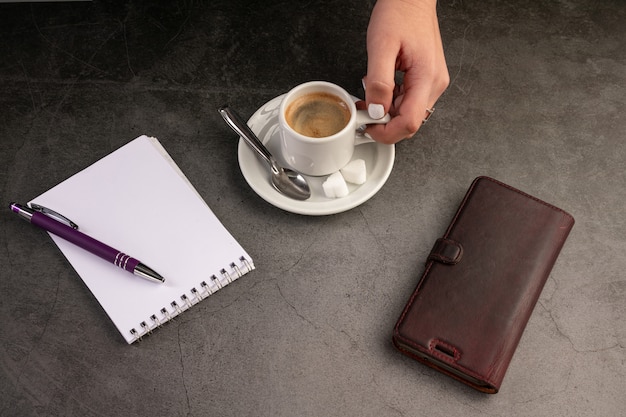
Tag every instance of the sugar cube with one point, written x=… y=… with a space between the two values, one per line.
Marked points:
x=335 y=186
x=355 y=172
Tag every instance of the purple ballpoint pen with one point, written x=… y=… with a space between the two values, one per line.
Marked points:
x=87 y=243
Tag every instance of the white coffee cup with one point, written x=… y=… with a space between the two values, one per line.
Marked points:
x=317 y=156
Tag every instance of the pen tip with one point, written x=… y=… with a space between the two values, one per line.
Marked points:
x=146 y=272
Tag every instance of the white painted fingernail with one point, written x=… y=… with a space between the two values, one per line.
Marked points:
x=376 y=111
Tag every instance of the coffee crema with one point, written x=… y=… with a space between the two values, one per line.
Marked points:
x=318 y=115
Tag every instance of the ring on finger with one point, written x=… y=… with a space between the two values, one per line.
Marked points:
x=429 y=112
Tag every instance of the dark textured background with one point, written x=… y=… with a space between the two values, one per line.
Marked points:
x=537 y=100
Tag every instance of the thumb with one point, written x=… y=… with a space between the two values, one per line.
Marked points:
x=379 y=82
x=378 y=97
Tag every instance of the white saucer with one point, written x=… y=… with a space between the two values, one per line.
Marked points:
x=378 y=158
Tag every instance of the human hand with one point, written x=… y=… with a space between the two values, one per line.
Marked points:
x=403 y=35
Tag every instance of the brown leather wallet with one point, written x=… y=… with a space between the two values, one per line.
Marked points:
x=481 y=283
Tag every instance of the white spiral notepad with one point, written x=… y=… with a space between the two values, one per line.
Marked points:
x=137 y=200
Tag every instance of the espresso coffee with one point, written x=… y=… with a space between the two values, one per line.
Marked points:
x=317 y=115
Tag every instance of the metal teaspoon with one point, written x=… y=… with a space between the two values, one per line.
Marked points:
x=286 y=181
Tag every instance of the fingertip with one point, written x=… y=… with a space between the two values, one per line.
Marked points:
x=378 y=96
x=376 y=111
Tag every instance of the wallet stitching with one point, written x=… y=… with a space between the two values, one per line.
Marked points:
x=432 y=347
x=475 y=183
x=569 y=216
x=446 y=259
x=423 y=349
x=492 y=388
x=415 y=292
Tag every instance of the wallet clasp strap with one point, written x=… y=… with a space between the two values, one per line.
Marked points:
x=446 y=251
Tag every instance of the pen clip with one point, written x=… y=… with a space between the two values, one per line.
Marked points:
x=52 y=213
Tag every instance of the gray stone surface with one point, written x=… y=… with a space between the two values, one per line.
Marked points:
x=537 y=100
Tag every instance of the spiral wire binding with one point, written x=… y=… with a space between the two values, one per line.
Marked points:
x=207 y=287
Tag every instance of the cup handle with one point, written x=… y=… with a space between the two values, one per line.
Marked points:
x=362 y=138
x=363 y=118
